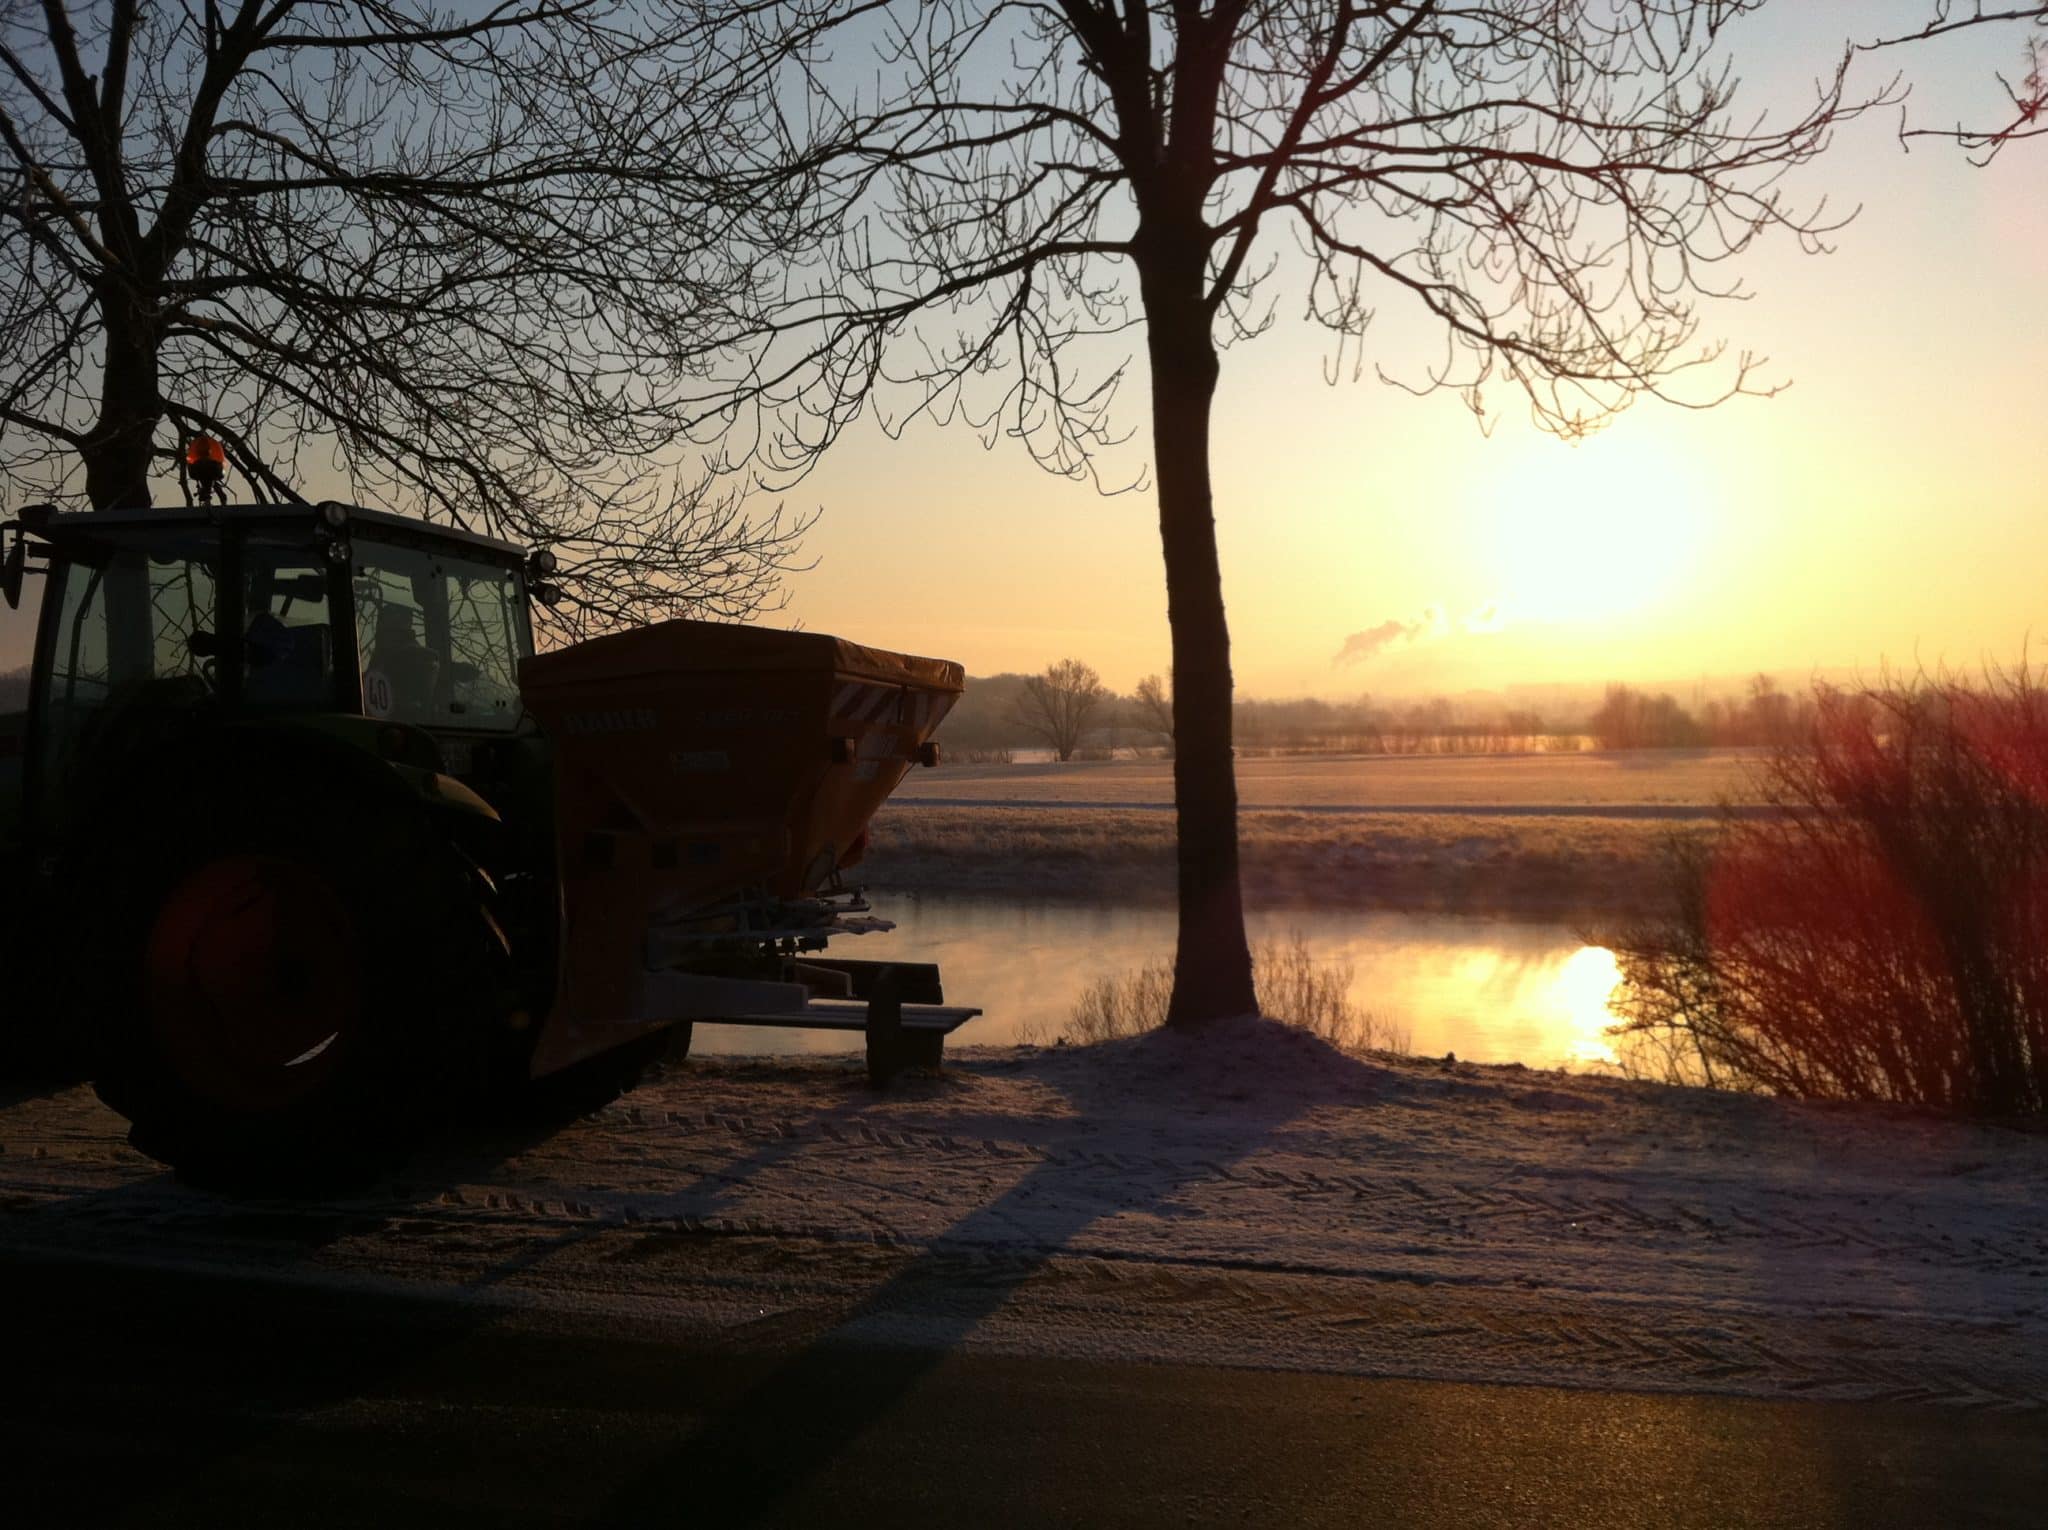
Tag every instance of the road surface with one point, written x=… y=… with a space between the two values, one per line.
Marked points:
x=151 y=1397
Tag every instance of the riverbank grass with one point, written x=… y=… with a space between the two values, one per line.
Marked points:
x=1293 y=987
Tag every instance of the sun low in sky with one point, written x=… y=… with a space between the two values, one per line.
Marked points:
x=1890 y=504
x=1595 y=531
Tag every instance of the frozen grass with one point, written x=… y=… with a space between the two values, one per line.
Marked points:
x=1542 y=867
x=1696 y=778
x=1292 y=985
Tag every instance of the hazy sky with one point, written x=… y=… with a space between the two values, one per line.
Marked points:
x=1892 y=504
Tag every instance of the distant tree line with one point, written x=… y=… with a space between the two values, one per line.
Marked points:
x=1067 y=710
x=1766 y=717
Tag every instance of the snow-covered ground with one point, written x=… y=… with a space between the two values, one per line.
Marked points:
x=1250 y=1198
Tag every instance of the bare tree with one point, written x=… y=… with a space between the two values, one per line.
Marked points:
x=446 y=252
x=1056 y=704
x=2026 y=93
x=1155 y=707
x=999 y=192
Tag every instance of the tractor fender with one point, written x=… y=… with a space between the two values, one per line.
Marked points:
x=466 y=818
x=201 y=789
x=451 y=807
x=280 y=750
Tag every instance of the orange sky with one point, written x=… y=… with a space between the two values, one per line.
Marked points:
x=1892 y=505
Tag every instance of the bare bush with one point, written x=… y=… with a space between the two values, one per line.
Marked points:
x=1115 y=1007
x=1292 y=986
x=1885 y=937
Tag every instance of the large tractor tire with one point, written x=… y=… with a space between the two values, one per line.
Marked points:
x=292 y=973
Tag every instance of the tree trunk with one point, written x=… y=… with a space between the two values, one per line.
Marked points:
x=116 y=451
x=1212 y=965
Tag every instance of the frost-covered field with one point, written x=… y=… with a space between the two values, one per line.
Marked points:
x=1638 y=778
x=1251 y=1198
x=1538 y=835
x=1541 y=867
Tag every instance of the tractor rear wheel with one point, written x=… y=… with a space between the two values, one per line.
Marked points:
x=297 y=977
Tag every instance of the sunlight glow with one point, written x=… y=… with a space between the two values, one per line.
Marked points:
x=1590 y=532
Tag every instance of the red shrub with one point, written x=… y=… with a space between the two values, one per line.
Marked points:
x=1885 y=934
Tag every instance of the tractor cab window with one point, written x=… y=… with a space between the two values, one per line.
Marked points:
x=134 y=635
x=439 y=638
x=288 y=640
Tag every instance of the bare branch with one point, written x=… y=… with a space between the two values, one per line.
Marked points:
x=457 y=263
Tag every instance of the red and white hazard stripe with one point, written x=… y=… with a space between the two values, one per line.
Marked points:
x=862 y=703
x=856 y=701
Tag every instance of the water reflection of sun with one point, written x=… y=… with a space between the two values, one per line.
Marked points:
x=1579 y=997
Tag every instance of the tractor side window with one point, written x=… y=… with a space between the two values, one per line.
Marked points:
x=288 y=645
x=438 y=636
x=79 y=672
x=402 y=637
x=483 y=644
x=181 y=603
x=134 y=637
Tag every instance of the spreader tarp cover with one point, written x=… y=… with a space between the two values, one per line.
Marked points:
x=667 y=647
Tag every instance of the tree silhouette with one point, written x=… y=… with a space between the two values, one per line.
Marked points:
x=446 y=252
x=1057 y=703
x=994 y=195
x=1154 y=706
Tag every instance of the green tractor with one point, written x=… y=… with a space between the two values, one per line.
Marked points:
x=304 y=845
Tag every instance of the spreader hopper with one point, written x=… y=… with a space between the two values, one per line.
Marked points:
x=712 y=782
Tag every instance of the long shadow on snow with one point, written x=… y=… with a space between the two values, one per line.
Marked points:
x=772 y=1440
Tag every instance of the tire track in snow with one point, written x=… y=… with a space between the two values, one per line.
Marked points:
x=1601 y=1210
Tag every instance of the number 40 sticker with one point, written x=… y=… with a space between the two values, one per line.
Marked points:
x=376 y=693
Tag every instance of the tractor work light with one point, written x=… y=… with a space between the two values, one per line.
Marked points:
x=549 y=595
x=543 y=561
x=333 y=513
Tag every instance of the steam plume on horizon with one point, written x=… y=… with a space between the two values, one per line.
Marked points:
x=1361 y=646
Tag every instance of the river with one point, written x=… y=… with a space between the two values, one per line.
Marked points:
x=1490 y=990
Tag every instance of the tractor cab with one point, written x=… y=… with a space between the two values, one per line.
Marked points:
x=157 y=621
